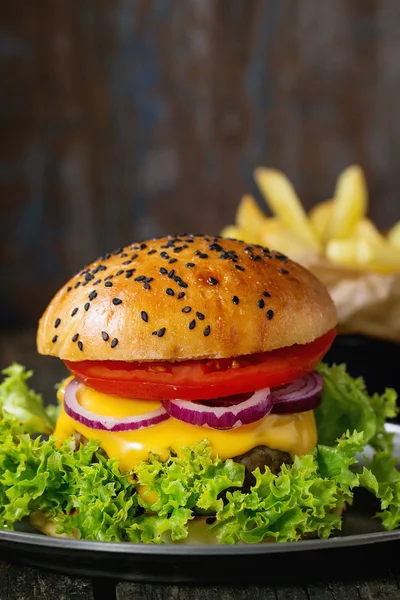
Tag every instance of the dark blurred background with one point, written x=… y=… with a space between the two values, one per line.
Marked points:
x=123 y=119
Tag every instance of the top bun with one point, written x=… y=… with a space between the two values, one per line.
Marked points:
x=185 y=297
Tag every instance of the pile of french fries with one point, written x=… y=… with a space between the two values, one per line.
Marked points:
x=337 y=229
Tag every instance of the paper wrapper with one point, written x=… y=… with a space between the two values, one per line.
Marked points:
x=367 y=303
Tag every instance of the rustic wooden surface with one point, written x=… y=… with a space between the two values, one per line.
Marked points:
x=22 y=583
x=130 y=118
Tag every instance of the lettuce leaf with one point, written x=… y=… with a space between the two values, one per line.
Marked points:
x=346 y=405
x=22 y=403
x=85 y=494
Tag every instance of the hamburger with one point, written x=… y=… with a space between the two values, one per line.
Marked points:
x=193 y=387
x=178 y=334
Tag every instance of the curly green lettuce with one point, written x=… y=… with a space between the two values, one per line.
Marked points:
x=82 y=491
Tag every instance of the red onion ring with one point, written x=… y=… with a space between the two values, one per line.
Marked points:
x=221 y=417
x=103 y=423
x=299 y=396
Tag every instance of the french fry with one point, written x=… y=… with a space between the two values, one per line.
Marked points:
x=350 y=203
x=249 y=216
x=394 y=235
x=360 y=253
x=285 y=204
x=320 y=216
x=366 y=230
x=277 y=237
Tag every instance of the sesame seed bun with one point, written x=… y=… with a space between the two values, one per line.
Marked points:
x=185 y=297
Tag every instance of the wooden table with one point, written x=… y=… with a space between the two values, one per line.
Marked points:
x=365 y=574
x=22 y=583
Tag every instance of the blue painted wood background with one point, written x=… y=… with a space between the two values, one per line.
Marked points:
x=122 y=119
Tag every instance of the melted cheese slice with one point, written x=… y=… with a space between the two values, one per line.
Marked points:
x=295 y=434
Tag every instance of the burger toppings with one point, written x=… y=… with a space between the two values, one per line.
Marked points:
x=223 y=413
x=302 y=394
x=104 y=423
x=225 y=416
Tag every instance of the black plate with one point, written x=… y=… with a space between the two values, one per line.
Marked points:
x=211 y=564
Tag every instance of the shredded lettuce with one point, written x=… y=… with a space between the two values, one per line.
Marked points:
x=85 y=494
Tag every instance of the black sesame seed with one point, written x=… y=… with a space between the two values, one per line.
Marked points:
x=92 y=295
x=97 y=282
x=114 y=342
x=192 y=324
x=119 y=272
x=85 y=283
x=281 y=257
x=129 y=273
x=154 y=333
x=178 y=249
x=78 y=283
x=75 y=337
x=239 y=268
x=108 y=277
x=170 y=292
x=80 y=345
x=207 y=330
x=200 y=316
x=102 y=268
x=107 y=256
x=153 y=251
x=124 y=255
x=266 y=295
x=134 y=256
x=212 y=281
x=270 y=314
x=261 y=303
x=284 y=271
x=182 y=284
x=144 y=316
x=87 y=306
x=57 y=322
x=171 y=273
x=161 y=332
x=215 y=246
x=224 y=254
x=197 y=253
x=148 y=279
x=74 y=312
x=255 y=257
x=189 y=264
x=108 y=284
x=143 y=246
x=69 y=288
x=140 y=278
x=186 y=309
x=172 y=260
x=235 y=300
x=116 y=301
x=118 y=251
x=146 y=286
x=163 y=271
x=89 y=277
x=105 y=336
x=203 y=255
x=55 y=338
x=180 y=295
x=164 y=255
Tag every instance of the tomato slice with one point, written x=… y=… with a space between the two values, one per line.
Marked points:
x=202 y=379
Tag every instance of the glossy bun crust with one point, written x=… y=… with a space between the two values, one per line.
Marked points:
x=185 y=297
